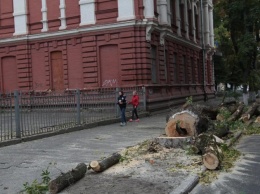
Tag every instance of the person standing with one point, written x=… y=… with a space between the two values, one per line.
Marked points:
x=135 y=103
x=121 y=101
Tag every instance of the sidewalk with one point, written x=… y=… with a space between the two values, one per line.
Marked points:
x=244 y=177
x=24 y=162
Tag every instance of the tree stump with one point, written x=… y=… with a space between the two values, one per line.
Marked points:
x=100 y=166
x=65 y=180
x=186 y=123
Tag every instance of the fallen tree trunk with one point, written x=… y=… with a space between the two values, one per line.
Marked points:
x=249 y=113
x=211 y=154
x=228 y=103
x=198 y=109
x=65 y=180
x=186 y=123
x=207 y=144
x=100 y=166
x=237 y=114
x=222 y=109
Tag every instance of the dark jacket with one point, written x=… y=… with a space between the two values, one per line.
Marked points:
x=123 y=100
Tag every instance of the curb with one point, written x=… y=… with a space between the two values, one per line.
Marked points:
x=192 y=180
x=187 y=185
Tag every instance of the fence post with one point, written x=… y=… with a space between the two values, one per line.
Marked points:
x=144 y=97
x=17 y=114
x=117 y=109
x=78 y=106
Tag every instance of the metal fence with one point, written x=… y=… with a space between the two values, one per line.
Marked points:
x=27 y=114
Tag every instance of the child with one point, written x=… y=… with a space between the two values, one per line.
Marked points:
x=135 y=103
x=121 y=101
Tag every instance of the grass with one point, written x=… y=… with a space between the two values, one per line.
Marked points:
x=230 y=157
x=252 y=130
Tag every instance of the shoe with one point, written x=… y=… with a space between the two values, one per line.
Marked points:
x=130 y=120
x=137 y=120
x=121 y=124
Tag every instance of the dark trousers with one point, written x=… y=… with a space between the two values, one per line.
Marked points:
x=134 y=112
x=123 y=119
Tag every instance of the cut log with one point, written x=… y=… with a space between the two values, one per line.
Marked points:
x=249 y=113
x=237 y=114
x=100 y=166
x=211 y=153
x=65 y=180
x=210 y=160
x=257 y=120
x=232 y=108
x=186 y=123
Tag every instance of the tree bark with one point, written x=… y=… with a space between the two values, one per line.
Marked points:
x=211 y=153
x=100 y=166
x=65 y=180
x=249 y=113
x=237 y=114
x=186 y=123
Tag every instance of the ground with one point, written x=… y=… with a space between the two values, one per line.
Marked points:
x=141 y=171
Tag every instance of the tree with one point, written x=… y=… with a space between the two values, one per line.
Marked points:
x=237 y=31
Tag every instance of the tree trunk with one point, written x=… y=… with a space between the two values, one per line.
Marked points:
x=186 y=123
x=245 y=98
x=211 y=153
x=249 y=113
x=228 y=103
x=106 y=163
x=65 y=180
x=237 y=114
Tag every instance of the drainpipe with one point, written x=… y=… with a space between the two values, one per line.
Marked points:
x=203 y=48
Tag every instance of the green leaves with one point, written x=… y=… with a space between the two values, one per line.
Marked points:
x=237 y=24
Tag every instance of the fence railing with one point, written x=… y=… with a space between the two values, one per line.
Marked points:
x=27 y=114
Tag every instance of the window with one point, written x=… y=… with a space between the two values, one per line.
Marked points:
x=166 y=67
x=197 y=25
x=182 y=12
x=185 y=69
x=153 y=64
x=173 y=10
x=192 y=70
x=175 y=68
x=199 y=71
x=190 y=22
x=209 y=71
x=155 y=8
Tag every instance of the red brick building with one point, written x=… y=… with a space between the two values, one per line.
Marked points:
x=80 y=44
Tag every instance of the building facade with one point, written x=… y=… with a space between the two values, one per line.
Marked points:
x=57 y=45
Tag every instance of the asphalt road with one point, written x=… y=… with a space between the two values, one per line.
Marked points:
x=245 y=177
x=24 y=162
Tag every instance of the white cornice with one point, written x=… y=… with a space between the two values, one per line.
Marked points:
x=68 y=32
x=94 y=28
